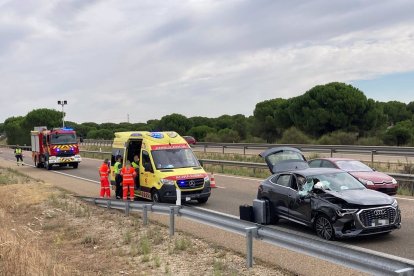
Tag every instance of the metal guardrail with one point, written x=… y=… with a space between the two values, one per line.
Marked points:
x=406 y=180
x=375 y=263
x=331 y=149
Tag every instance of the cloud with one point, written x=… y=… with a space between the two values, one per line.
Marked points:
x=208 y=58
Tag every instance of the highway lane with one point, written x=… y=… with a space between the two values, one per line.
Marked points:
x=234 y=191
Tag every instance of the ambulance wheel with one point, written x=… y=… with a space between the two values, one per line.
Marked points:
x=155 y=196
x=202 y=200
x=75 y=165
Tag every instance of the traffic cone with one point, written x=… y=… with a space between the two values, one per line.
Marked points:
x=212 y=181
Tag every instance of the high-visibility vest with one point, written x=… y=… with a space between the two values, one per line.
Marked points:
x=134 y=165
x=104 y=171
x=18 y=151
x=116 y=167
x=128 y=175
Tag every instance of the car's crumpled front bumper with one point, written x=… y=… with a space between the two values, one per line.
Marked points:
x=351 y=226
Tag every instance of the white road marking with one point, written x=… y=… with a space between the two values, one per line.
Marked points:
x=240 y=177
x=77 y=177
x=403 y=198
x=215 y=212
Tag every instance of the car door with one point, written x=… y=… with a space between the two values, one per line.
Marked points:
x=280 y=159
x=299 y=203
x=279 y=193
x=146 y=170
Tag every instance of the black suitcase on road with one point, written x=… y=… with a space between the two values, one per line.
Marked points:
x=246 y=213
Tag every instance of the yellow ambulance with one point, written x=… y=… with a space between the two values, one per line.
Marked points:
x=166 y=163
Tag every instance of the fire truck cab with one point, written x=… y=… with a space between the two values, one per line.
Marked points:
x=58 y=146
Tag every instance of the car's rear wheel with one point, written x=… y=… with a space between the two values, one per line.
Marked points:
x=324 y=228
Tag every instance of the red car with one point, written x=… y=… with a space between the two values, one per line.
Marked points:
x=190 y=140
x=371 y=179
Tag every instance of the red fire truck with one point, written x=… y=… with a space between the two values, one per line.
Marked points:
x=58 y=146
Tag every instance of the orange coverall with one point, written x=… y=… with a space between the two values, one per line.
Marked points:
x=128 y=176
x=104 y=173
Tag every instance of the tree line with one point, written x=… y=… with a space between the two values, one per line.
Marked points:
x=334 y=113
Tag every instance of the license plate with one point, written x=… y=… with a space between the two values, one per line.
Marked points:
x=380 y=222
x=187 y=198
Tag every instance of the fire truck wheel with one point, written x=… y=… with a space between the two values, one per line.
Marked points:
x=48 y=166
x=75 y=165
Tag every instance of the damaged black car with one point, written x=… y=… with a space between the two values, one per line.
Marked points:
x=331 y=201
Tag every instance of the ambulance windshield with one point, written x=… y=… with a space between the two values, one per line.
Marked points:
x=174 y=158
x=63 y=138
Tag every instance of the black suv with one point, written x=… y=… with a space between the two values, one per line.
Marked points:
x=331 y=201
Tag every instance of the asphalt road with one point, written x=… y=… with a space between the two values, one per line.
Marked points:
x=233 y=191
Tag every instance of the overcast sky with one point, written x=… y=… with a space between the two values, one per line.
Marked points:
x=198 y=58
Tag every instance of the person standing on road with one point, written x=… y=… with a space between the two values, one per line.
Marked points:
x=135 y=165
x=118 y=177
x=19 y=155
x=128 y=174
x=104 y=173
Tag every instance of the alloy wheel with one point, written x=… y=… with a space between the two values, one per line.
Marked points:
x=324 y=228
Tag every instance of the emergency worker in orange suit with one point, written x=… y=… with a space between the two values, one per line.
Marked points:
x=128 y=175
x=104 y=171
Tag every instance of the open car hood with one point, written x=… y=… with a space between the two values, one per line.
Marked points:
x=280 y=159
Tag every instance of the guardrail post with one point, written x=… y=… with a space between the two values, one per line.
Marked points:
x=172 y=221
x=223 y=149
x=205 y=148
x=145 y=214
x=244 y=150
x=249 y=245
x=373 y=152
x=127 y=208
x=332 y=152
x=108 y=204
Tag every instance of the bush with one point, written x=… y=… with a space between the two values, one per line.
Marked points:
x=294 y=136
x=370 y=141
x=338 y=138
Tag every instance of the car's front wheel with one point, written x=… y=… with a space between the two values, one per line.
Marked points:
x=324 y=228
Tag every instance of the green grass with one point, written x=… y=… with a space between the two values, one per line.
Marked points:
x=182 y=244
x=144 y=245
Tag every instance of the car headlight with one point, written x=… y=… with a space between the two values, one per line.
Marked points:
x=52 y=157
x=77 y=156
x=394 y=181
x=365 y=181
x=344 y=212
x=206 y=179
x=394 y=203
x=167 y=181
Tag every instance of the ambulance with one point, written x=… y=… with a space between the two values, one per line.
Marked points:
x=166 y=164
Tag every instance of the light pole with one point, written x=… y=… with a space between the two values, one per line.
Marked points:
x=63 y=103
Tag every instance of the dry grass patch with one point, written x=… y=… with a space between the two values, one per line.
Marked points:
x=48 y=232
